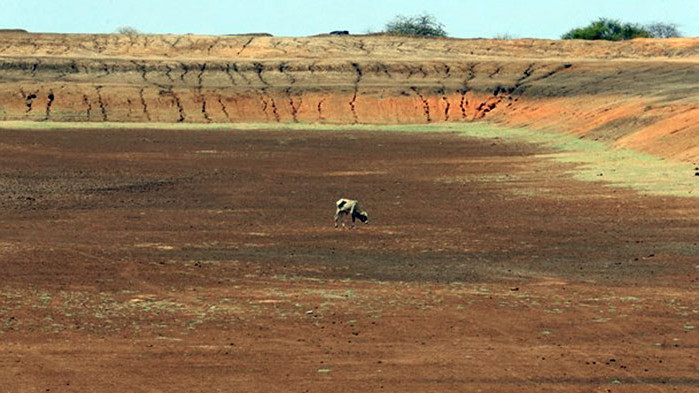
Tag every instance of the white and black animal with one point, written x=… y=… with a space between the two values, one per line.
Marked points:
x=349 y=208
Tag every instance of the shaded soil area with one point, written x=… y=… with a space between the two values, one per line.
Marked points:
x=207 y=261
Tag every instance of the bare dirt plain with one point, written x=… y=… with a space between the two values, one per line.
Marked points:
x=207 y=261
x=203 y=260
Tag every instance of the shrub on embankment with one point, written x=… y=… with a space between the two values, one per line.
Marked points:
x=424 y=25
x=614 y=30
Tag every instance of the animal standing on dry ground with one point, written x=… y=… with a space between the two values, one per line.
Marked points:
x=349 y=208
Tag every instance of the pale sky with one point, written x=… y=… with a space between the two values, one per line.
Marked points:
x=461 y=18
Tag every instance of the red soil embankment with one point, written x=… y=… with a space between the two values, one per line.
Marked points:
x=641 y=94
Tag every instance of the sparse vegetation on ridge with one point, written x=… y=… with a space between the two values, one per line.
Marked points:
x=128 y=30
x=663 y=30
x=420 y=25
x=504 y=37
x=614 y=30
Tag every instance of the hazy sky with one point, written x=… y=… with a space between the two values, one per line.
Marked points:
x=461 y=18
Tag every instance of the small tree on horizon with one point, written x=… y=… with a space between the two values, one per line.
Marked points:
x=663 y=30
x=614 y=30
x=504 y=37
x=607 y=29
x=425 y=25
x=127 y=30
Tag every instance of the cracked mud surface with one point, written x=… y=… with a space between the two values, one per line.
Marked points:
x=207 y=261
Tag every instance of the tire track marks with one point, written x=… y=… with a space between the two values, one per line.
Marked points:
x=245 y=45
x=51 y=97
x=293 y=106
x=141 y=95
x=353 y=101
x=202 y=97
x=100 y=102
x=425 y=104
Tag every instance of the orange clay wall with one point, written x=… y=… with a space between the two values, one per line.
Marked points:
x=642 y=94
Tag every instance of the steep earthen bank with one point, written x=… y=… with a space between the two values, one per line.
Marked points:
x=642 y=94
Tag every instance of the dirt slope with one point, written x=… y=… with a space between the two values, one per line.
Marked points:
x=642 y=94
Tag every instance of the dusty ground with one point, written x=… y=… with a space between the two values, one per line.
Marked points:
x=207 y=261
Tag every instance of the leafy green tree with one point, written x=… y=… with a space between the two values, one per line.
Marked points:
x=607 y=29
x=422 y=25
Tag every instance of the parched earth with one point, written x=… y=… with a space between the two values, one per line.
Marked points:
x=147 y=260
